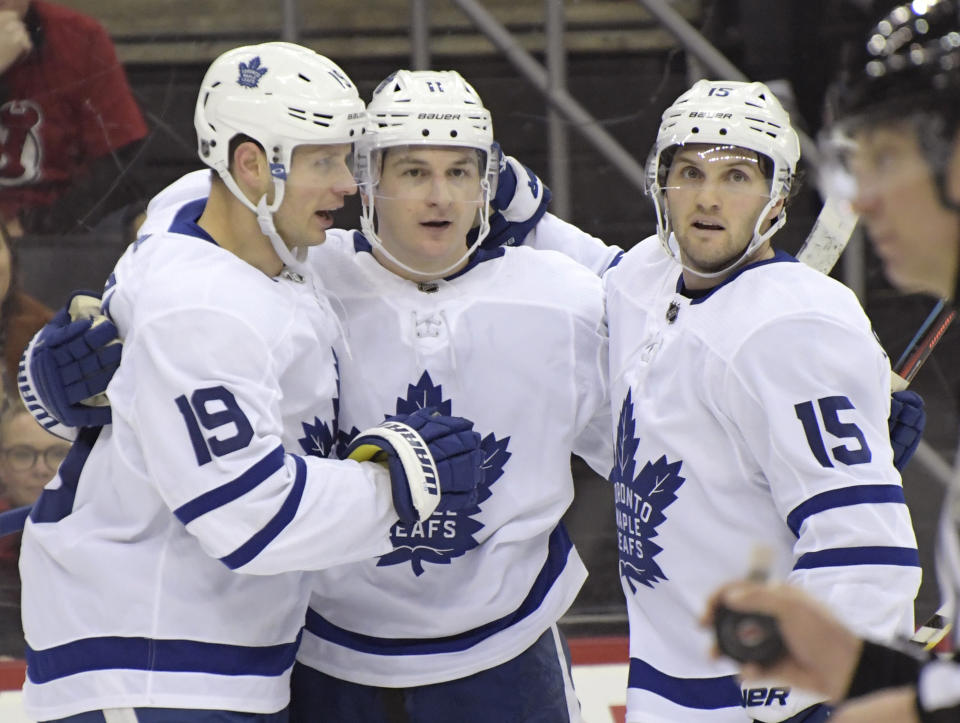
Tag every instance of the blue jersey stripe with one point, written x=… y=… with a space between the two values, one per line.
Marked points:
x=838 y=557
x=779 y=256
x=55 y=504
x=559 y=551
x=171 y=656
x=232 y=490
x=109 y=288
x=700 y=693
x=12 y=521
x=254 y=546
x=858 y=495
x=615 y=262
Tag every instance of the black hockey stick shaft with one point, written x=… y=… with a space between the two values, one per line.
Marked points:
x=923 y=343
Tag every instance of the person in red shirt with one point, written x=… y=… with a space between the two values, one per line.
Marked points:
x=69 y=125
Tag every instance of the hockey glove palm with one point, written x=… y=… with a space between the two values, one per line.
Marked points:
x=69 y=363
x=907 y=421
x=435 y=461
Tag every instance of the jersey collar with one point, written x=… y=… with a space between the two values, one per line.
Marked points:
x=185 y=221
x=362 y=245
x=700 y=295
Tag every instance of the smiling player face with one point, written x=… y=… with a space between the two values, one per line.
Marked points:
x=427 y=200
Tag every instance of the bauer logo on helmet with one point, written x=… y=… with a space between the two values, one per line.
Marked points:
x=438 y=116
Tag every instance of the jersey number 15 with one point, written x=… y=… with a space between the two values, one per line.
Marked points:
x=830 y=408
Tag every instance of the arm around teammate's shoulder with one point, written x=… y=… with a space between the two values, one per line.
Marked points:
x=556 y=234
x=204 y=398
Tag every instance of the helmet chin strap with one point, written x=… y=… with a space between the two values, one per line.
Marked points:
x=294 y=259
x=370 y=233
x=670 y=245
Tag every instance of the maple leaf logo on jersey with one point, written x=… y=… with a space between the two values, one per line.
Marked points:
x=317 y=438
x=640 y=502
x=250 y=73
x=320 y=439
x=444 y=535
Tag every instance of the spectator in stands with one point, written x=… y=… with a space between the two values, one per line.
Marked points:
x=21 y=315
x=69 y=125
x=29 y=455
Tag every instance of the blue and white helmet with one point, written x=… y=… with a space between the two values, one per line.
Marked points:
x=425 y=108
x=726 y=113
x=281 y=95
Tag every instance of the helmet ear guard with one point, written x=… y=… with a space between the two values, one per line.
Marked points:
x=725 y=113
x=425 y=109
x=280 y=95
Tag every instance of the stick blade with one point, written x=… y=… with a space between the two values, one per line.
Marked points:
x=829 y=235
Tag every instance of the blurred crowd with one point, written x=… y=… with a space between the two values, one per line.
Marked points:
x=70 y=133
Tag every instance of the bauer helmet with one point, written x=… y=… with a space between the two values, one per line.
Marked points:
x=425 y=108
x=281 y=95
x=906 y=67
x=725 y=113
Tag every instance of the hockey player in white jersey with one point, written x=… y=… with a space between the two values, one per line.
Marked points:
x=161 y=568
x=751 y=401
x=458 y=621
x=465 y=604
x=895 y=110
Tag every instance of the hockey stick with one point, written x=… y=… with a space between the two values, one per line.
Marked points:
x=927 y=337
x=823 y=247
x=829 y=236
x=940 y=624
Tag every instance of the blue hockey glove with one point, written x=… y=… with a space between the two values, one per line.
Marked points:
x=435 y=461
x=907 y=420
x=520 y=202
x=69 y=363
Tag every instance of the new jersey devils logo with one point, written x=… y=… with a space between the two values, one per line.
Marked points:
x=20 y=149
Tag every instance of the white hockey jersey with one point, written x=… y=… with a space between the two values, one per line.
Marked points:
x=755 y=414
x=555 y=234
x=515 y=343
x=156 y=567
